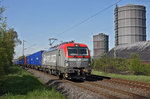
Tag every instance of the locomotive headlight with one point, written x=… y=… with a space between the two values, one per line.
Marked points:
x=89 y=64
x=72 y=59
x=66 y=61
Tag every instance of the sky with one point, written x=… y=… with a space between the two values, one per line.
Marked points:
x=36 y=21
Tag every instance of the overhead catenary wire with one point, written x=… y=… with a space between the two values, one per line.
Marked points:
x=29 y=46
x=88 y=18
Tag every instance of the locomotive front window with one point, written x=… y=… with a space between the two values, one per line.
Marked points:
x=72 y=51
x=83 y=51
x=77 y=51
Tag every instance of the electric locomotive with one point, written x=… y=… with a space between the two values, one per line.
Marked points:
x=68 y=60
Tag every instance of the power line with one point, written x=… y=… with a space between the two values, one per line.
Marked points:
x=29 y=47
x=85 y=20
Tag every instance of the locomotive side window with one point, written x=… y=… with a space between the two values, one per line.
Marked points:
x=77 y=51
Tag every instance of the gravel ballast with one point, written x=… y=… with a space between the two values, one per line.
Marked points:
x=69 y=90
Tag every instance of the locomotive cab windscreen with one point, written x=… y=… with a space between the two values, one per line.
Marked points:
x=77 y=51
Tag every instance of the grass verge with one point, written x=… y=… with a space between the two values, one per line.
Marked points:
x=140 y=78
x=20 y=84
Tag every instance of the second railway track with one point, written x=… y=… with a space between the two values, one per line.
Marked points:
x=134 y=84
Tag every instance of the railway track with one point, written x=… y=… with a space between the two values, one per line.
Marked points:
x=134 y=84
x=98 y=92
x=136 y=96
x=107 y=91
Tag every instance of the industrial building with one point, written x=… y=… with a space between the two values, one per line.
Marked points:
x=141 y=48
x=130 y=24
x=100 y=44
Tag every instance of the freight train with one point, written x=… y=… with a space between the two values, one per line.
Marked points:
x=68 y=60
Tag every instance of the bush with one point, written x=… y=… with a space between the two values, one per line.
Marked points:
x=136 y=66
x=115 y=65
x=120 y=65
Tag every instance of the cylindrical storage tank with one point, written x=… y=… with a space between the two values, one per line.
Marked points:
x=130 y=24
x=100 y=44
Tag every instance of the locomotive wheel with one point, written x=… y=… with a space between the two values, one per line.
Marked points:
x=44 y=70
x=50 y=72
x=63 y=76
x=47 y=71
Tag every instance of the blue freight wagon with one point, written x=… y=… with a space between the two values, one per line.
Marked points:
x=28 y=60
x=16 y=62
x=21 y=61
x=35 y=60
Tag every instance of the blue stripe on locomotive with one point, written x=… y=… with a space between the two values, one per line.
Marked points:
x=35 y=59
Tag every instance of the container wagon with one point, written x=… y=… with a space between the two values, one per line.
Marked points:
x=21 y=61
x=34 y=60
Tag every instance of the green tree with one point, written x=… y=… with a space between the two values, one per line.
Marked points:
x=8 y=41
x=2 y=50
